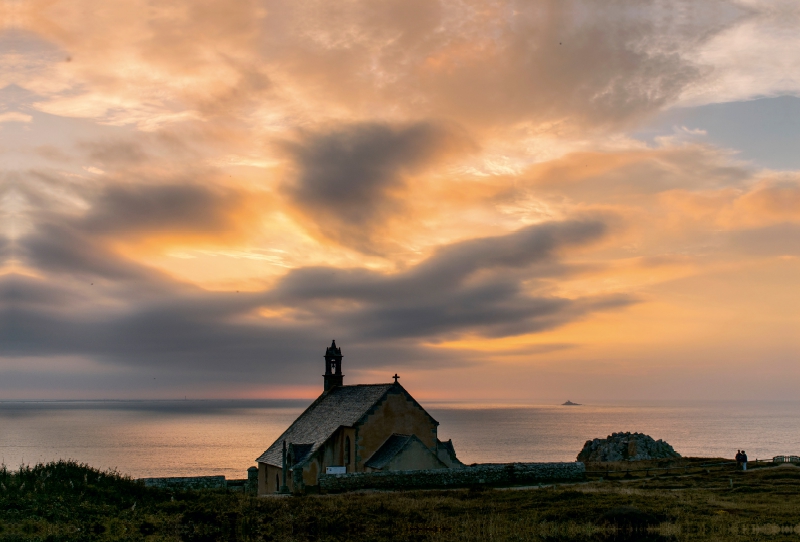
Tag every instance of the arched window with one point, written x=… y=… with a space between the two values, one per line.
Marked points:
x=347 y=450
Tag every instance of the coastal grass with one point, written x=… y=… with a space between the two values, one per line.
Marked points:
x=71 y=501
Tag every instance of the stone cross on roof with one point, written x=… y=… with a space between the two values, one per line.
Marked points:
x=395 y=378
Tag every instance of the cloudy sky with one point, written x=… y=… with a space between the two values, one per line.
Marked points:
x=496 y=199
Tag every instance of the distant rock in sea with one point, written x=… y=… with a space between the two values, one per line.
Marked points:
x=570 y=403
x=626 y=447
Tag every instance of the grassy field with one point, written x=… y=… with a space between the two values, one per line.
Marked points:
x=67 y=501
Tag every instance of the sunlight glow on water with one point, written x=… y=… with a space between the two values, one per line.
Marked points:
x=195 y=438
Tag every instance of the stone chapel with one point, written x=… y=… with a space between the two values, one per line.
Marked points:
x=357 y=428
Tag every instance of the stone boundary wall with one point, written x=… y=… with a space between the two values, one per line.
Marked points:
x=486 y=474
x=238 y=484
x=186 y=482
x=247 y=485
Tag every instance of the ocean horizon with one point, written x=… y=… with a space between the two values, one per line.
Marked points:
x=200 y=437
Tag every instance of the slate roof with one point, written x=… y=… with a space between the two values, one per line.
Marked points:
x=340 y=406
x=388 y=450
x=447 y=446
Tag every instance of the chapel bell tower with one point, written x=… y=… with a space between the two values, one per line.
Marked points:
x=333 y=367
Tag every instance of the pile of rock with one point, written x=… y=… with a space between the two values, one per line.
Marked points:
x=626 y=447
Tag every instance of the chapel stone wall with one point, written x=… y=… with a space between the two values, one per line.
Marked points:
x=396 y=414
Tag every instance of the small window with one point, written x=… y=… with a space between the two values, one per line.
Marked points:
x=277 y=483
x=347 y=451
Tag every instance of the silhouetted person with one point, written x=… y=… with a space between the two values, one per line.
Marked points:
x=738 y=459
x=744 y=460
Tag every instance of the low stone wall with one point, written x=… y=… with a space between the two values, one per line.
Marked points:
x=247 y=485
x=487 y=474
x=186 y=482
x=238 y=485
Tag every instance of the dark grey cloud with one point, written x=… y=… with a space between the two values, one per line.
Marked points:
x=186 y=334
x=76 y=245
x=449 y=268
x=349 y=179
x=86 y=301
x=160 y=208
x=61 y=248
x=480 y=286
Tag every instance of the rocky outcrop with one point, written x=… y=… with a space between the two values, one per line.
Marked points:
x=626 y=447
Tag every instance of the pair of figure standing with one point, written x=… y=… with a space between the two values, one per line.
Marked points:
x=741 y=459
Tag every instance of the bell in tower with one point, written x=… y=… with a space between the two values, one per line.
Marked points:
x=333 y=367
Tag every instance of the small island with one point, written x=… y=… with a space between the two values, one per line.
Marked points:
x=570 y=403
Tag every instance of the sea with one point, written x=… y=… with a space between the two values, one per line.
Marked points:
x=218 y=437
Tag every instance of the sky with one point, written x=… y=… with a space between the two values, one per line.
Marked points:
x=498 y=200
